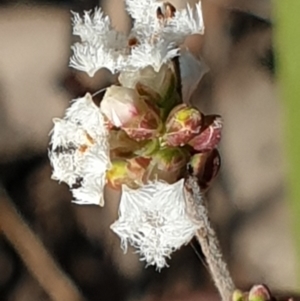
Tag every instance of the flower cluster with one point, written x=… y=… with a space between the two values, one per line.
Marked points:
x=143 y=136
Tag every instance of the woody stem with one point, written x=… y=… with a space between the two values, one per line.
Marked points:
x=207 y=238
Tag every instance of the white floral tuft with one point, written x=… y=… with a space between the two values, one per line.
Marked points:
x=142 y=11
x=153 y=56
x=185 y=22
x=157 y=41
x=79 y=151
x=101 y=46
x=153 y=220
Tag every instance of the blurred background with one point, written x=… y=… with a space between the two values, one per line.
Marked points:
x=248 y=200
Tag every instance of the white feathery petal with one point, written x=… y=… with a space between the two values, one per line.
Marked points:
x=185 y=22
x=84 y=112
x=91 y=25
x=153 y=220
x=191 y=72
x=103 y=47
x=142 y=11
x=93 y=56
x=156 y=55
x=100 y=47
x=80 y=151
x=64 y=168
x=159 y=42
x=93 y=172
x=66 y=138
x=62 y=133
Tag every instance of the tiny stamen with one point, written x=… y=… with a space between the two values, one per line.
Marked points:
x=166 y=11
x=133 y=42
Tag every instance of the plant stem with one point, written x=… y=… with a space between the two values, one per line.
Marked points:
x=34 y=255
x=206 y=236
x=287 y=54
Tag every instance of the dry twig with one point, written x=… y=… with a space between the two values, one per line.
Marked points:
x=34 y=255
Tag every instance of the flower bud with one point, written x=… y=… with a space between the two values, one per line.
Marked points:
x=238 y=296
x=117 y=175
x=156 y=85
x=205 y=166
x=120 y=105
x=210 y=134
x=168 y=164
x=121 y=145
x=137 y=167
x=126 y=109
x=129 y=172
x=171 y=158
x=145 y=126
x=182 y=124
x=259 y=293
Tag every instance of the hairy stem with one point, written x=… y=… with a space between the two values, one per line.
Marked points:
x=207 y=238
x=34 y=255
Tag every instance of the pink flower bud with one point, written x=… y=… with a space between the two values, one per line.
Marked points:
x=210 y=134
x=182 y=125
x=259 y=293
x=120 y=105
x=133 y=113
x=145 y=126
x=205 y=166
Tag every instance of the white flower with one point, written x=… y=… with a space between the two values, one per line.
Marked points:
x=100 y=47
x=153 y=217
x=157 y=41
x=79 y=151
x=153 y=220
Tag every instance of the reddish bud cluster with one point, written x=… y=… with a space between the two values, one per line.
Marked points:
x=154 y=137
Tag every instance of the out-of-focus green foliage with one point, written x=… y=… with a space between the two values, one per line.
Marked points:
x=287 y=45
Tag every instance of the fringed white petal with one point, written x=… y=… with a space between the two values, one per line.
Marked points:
x=142 y=11
x=93 y=56
x=153 y=220
x=93 y=173
x=91 y=25
x=66 y=138
x=103 y=47
x=80 y=152
x=152 y=55
x=84 y=112
x=100 y=47
x=185 y=22
x=191 y=71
